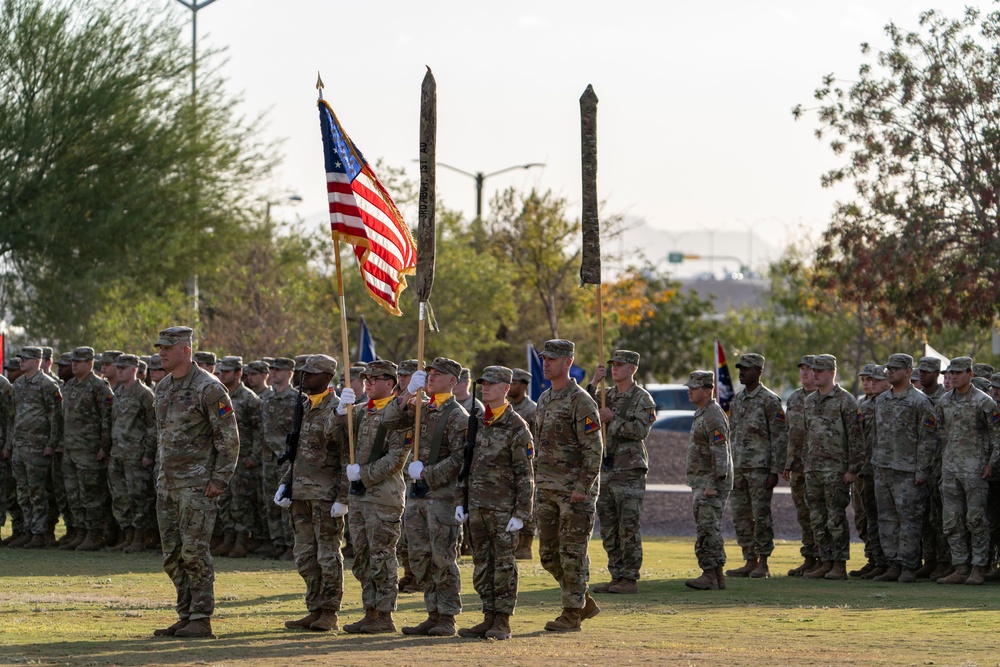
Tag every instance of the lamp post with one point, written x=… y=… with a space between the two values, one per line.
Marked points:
x=287 y=199
x=479 y=177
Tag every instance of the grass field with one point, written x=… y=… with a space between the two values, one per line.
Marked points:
x=101 y=609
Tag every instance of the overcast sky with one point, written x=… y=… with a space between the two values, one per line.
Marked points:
x=695 y=131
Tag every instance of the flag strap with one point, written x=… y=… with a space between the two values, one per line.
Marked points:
x=418 y=405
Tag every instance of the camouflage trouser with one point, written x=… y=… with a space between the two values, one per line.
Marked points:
x=317 y=553
x=131 y=486
x=798 y=485
x=709 y=545
x=225 y=522
x=86 y=487
x=619 y=508
x=866 y=519
x=186 y=518
x=375 y=531
x=432 y=544
x=933 y=543
x=8 y=497
x=901 y=507
x=494 y=569
x=244 y=503
x=31 y=469
x=828 y=498
x=279 y=523
x=58 y=495
x=531 y=525
x=402 y=555
x=564 y=531
x=750 y=502
x=993 y=516
x=963 y=499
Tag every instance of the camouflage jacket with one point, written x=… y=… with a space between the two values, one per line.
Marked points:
x=277 y=416
x=968 y=428
x=905 y=432
x=246 y=405
x=38 y=418
x=197 y=439
x=469 y=402
x=568 y=441
x=133 y=423
x=87 y=415
x=795 y=416
x=866 y=407
x=319 y=470
x=625 y=448
x=442 y=475
x=526 y=408
x=936 y=395
x=758 y=431
x=383 y=478
x=500 y=476
x=710 y=460
x=6 y=413
x=834 y=442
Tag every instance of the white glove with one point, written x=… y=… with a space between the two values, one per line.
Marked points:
x=514 y=525
x=338 y=510
x=460 y=515
x=282 y=502
x=347 y=399
x=354 y=472
x=415 y=469
x=417 y=381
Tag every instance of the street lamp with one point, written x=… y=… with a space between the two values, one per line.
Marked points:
x=479 y=177
x=287 y=199
x=194 y=6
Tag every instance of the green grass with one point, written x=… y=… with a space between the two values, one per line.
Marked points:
x=101 y=609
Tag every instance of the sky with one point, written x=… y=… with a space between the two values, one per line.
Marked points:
x=696 y=141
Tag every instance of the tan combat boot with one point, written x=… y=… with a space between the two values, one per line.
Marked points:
x=196 y=629
x=239 y=549
x=943 y=569
x=422 y=628
x=169 y=631
x=625 y=587
x=136 y=545
x=808 y=563
x=605 y=588
x=50 y=538
x=879 y=570
x=567 y=621
x=720 y=577
x=744 y=571
x=892 y=574
x=355 y=628
x=977 y=576
x=864 y=569
x=303 y=623
x=959 y=576
x=590 y=608
x=761 y=571
x=838 y=572
x=78 y=539
x=327 y=621
x=925 y=571
x=94 y=541
x=500 y=629
x=127 y=538
x=523 y=551
x=37 y=541
x=384 y=623
x=708 y=581
x=821 y=570
x=227 y=544
x=479 y=630
x=18 y=540
x=444 y=628
x=907 y=576
x=67 y=537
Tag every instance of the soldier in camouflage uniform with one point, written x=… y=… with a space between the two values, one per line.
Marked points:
x=905 y=443
x=834 y=452
x=87 y=404
x=407 y=583
x=255 y=378
x=758 y=438
x=628 y=416
x=6 y=435
x=522 y=404
x=934 y=545
x=108 y=369
x=56 y=485
x=498 y=488
x=316 y=486
x=277 y=414
x=205 y=361
x=462 y=395
x=710 y=476
x=567 y=432
x=969 y=427
x=156 y=372
x=197 y=449
x=432 y=533
x=12 y=368
x=873 y=382
x=376 y=497
x=795 y=416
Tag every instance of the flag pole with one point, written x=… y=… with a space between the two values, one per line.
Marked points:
x=590 y=266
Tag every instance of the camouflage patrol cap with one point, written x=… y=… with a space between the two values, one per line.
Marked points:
x=624 y=357
x=97 y=359
x=320 y=363
x=109 y=356
x=824 y=362
x=155 y=364
x=880 y=373
x=65 y=359
x=995 y=380
x=408 y=367
x=82 y=354
x=204 y=357
x=959 y=364
x=981 y=383
x=30 y=352
x=558 y=347
x=259 y=366
x=124 y=360
x=142 y=366
x=929 y=364
x=446 y=365
x=378 y=368
x=174 y=335
x=283 y=364
x=13 y=364
x=230 y=363
x=701 y=379
x=867 y=370
x=465 y=374
x=46 y=353
x=915 y=376
x=983 y=370
x=496 y=375
x=899 y=360
x=750 y=360
x=267 y=360
x=299 y=360
x=807 y=360
x=522 y=376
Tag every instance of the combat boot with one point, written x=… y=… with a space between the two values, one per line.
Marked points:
x=370 y=616
x=880 y=569
x=820 y=571
x=864 y=569
x=925 y=571
x=838 y=572
x=708 y=581
x=625 y=587
x=943 y=569
x=12 y=537
x=111 y=536
x=50 y=538
x=152 y=540
x=433 y=618
x=126 y=540
x=891 y=574
x=19 y=540
x=524 y=543
x=37 y=541
x=67 y=538
x=93 y=542
x=226 y=545
x=761 y=571
x=135 y=546
x=265 y=550
x=239 y=549
x=169 y=631
x=303 y=623
x=444 y=628
x=405 y=581
x=744 y=571
x=959 y=576
x=606 y=588
x=382 y=624
x=907 y=576
x=288 y=556
x=977 y=576
x=327 y=621
x=590 y=608
x=567 y=621
x=253 y=544
x=479 y=630
x=809 y=563
x=196 y=629
x=501 y=628
x=720 y=577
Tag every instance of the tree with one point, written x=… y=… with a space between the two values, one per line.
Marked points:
x=921 y=133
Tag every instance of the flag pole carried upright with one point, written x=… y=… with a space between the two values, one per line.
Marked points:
x=590 y=265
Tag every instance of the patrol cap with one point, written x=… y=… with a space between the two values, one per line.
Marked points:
x=65 y=359
x=995 y=380
x=496 y=375
x=625 y=357
x=824 y=362
x=109 y=356
x=959 y=364
x=446 y=365
x=124 y=360
x=142 y=366
x=701 y=379
x=867 y=370
x=97 y=360
x=558 y=347
x=465 y=374
x=203 y=357
x=144 y=358
x=259 y=366
x=282 y=364
x=522 y=376
x=267 y=360
x=750 y=360
x=981 y=383
x=929 y=364
x=983 y=370
x=173 y=335
x=408 y=367
x=320 y=363
x=880 y=373
x=915 y=376
x=155 y=364
x=230 y=363
x=378 y=368
x=13 y=364
x=30 y=352
x=46 y=353
x=899 y=360
x=807 y=360
x=82 y=354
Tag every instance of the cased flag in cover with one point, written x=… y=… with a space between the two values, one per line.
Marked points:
x=723 y=380
x=363 y=214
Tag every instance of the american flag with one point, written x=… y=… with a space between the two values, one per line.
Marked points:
x=723 y=380
x=363 y=214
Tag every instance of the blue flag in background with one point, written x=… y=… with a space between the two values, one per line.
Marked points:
x=538 y=383
x=366 y=348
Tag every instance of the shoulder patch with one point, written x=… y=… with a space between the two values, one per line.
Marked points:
x=652 y=415
x=780 y=416
x=717 y=436
x=408 y=439
x=58 y=396
x=109 y=399
x=995 y=416
x=224 y=410
x=929 y=423
x=589 y=425
x=860 y=417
